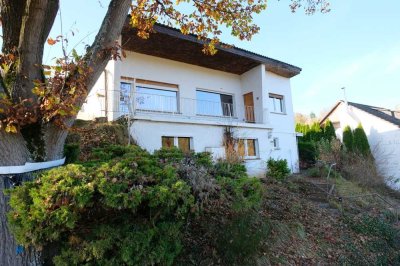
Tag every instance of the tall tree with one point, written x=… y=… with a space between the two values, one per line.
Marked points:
x=329 y=130
x=348 y=138
x=36 y=109
x=360 y=142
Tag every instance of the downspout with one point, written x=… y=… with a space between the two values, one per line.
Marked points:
x=106 y=94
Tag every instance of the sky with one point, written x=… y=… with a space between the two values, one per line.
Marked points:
x=356 y=46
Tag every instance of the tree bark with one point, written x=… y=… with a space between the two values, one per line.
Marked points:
x=26 y=25
x=8 y=250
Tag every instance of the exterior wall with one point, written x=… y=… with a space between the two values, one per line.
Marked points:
x=205 y=138
x=95 y=104
x=283 y=123
x=253 y=81
x=383 y=137
x=207 y=132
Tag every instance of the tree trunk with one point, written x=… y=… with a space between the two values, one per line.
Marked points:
x=13 y=151
x=26 y=26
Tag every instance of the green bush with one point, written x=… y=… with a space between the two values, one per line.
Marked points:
x=231 y=170
x=127 y=207
x=348 y=138
x=241 y=238
x=329 y=131
x=71 y=153
x=278 y=169
x=167 y=155
x=360 y=142
x=307 y=153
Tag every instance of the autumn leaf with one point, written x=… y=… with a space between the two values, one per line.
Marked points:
x=11 y=129
x=51 y=41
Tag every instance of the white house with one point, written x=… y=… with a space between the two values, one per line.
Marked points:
x=176 y=95
x=382 y=127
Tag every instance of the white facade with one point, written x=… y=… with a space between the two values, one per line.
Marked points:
x=383 y=136
x=175 y=111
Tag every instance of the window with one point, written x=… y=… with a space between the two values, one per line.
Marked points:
x=214 y=104
x=160 y=100
x=124 y=96
x=183 y=143
x=247 y=148
x=277 y=103
x=275 y=143
x=167 y=142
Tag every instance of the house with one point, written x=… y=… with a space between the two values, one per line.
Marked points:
x=382 y=127
x=176 y=95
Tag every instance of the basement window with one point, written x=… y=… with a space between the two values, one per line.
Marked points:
x=183 y=143
x=248 y=148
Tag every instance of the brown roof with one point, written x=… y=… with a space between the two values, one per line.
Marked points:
x=171 y=44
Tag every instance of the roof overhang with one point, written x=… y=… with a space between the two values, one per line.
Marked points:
x=170 y=43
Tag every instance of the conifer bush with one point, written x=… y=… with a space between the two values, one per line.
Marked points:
x=348 y=139
x=278 y=169
x=361 y=144
x=329 y=131
x=125 y=206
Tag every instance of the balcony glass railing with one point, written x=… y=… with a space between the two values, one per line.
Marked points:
x=153 y=103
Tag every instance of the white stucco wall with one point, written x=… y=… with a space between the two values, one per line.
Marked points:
x=283 y=123
x=383 y=137
x=148 y=134
x=94 y=105
x=148 y=129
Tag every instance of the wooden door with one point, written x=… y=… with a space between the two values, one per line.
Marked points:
x=249 y=107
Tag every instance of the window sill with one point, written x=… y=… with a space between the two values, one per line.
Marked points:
x=278 y=113
x=251 y=158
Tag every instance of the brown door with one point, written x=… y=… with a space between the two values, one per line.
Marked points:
x=249 y=107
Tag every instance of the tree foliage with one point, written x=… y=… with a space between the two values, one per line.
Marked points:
x=329 y=130
x=361 y=144
x=348 y=138
x=125 y=208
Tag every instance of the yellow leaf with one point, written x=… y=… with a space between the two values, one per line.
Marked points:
x=11 y=129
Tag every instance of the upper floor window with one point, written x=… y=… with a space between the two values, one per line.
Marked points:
x=124 y=98
x=154 y=99
x=214 y=104
x=277 y=103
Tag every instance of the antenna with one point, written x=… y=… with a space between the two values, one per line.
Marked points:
x=344 y=95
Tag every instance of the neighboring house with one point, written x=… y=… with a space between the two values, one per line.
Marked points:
x=176 y=95
x=382 y=127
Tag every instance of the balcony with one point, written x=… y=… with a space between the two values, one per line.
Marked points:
x=154 y=104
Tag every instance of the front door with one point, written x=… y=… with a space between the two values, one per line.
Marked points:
x=249 y=107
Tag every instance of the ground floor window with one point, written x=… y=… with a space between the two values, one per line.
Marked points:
x=248 y=148
x=275 y=143
x=183 y=143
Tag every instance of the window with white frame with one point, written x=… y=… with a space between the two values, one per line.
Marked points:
x=277 y=103
x=183 y=143
x=248 y=148
x=275 y=143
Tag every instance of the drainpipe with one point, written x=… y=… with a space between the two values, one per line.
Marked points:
x=106 y=94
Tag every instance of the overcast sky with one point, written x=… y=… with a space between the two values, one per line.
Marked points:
x=356 y=45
